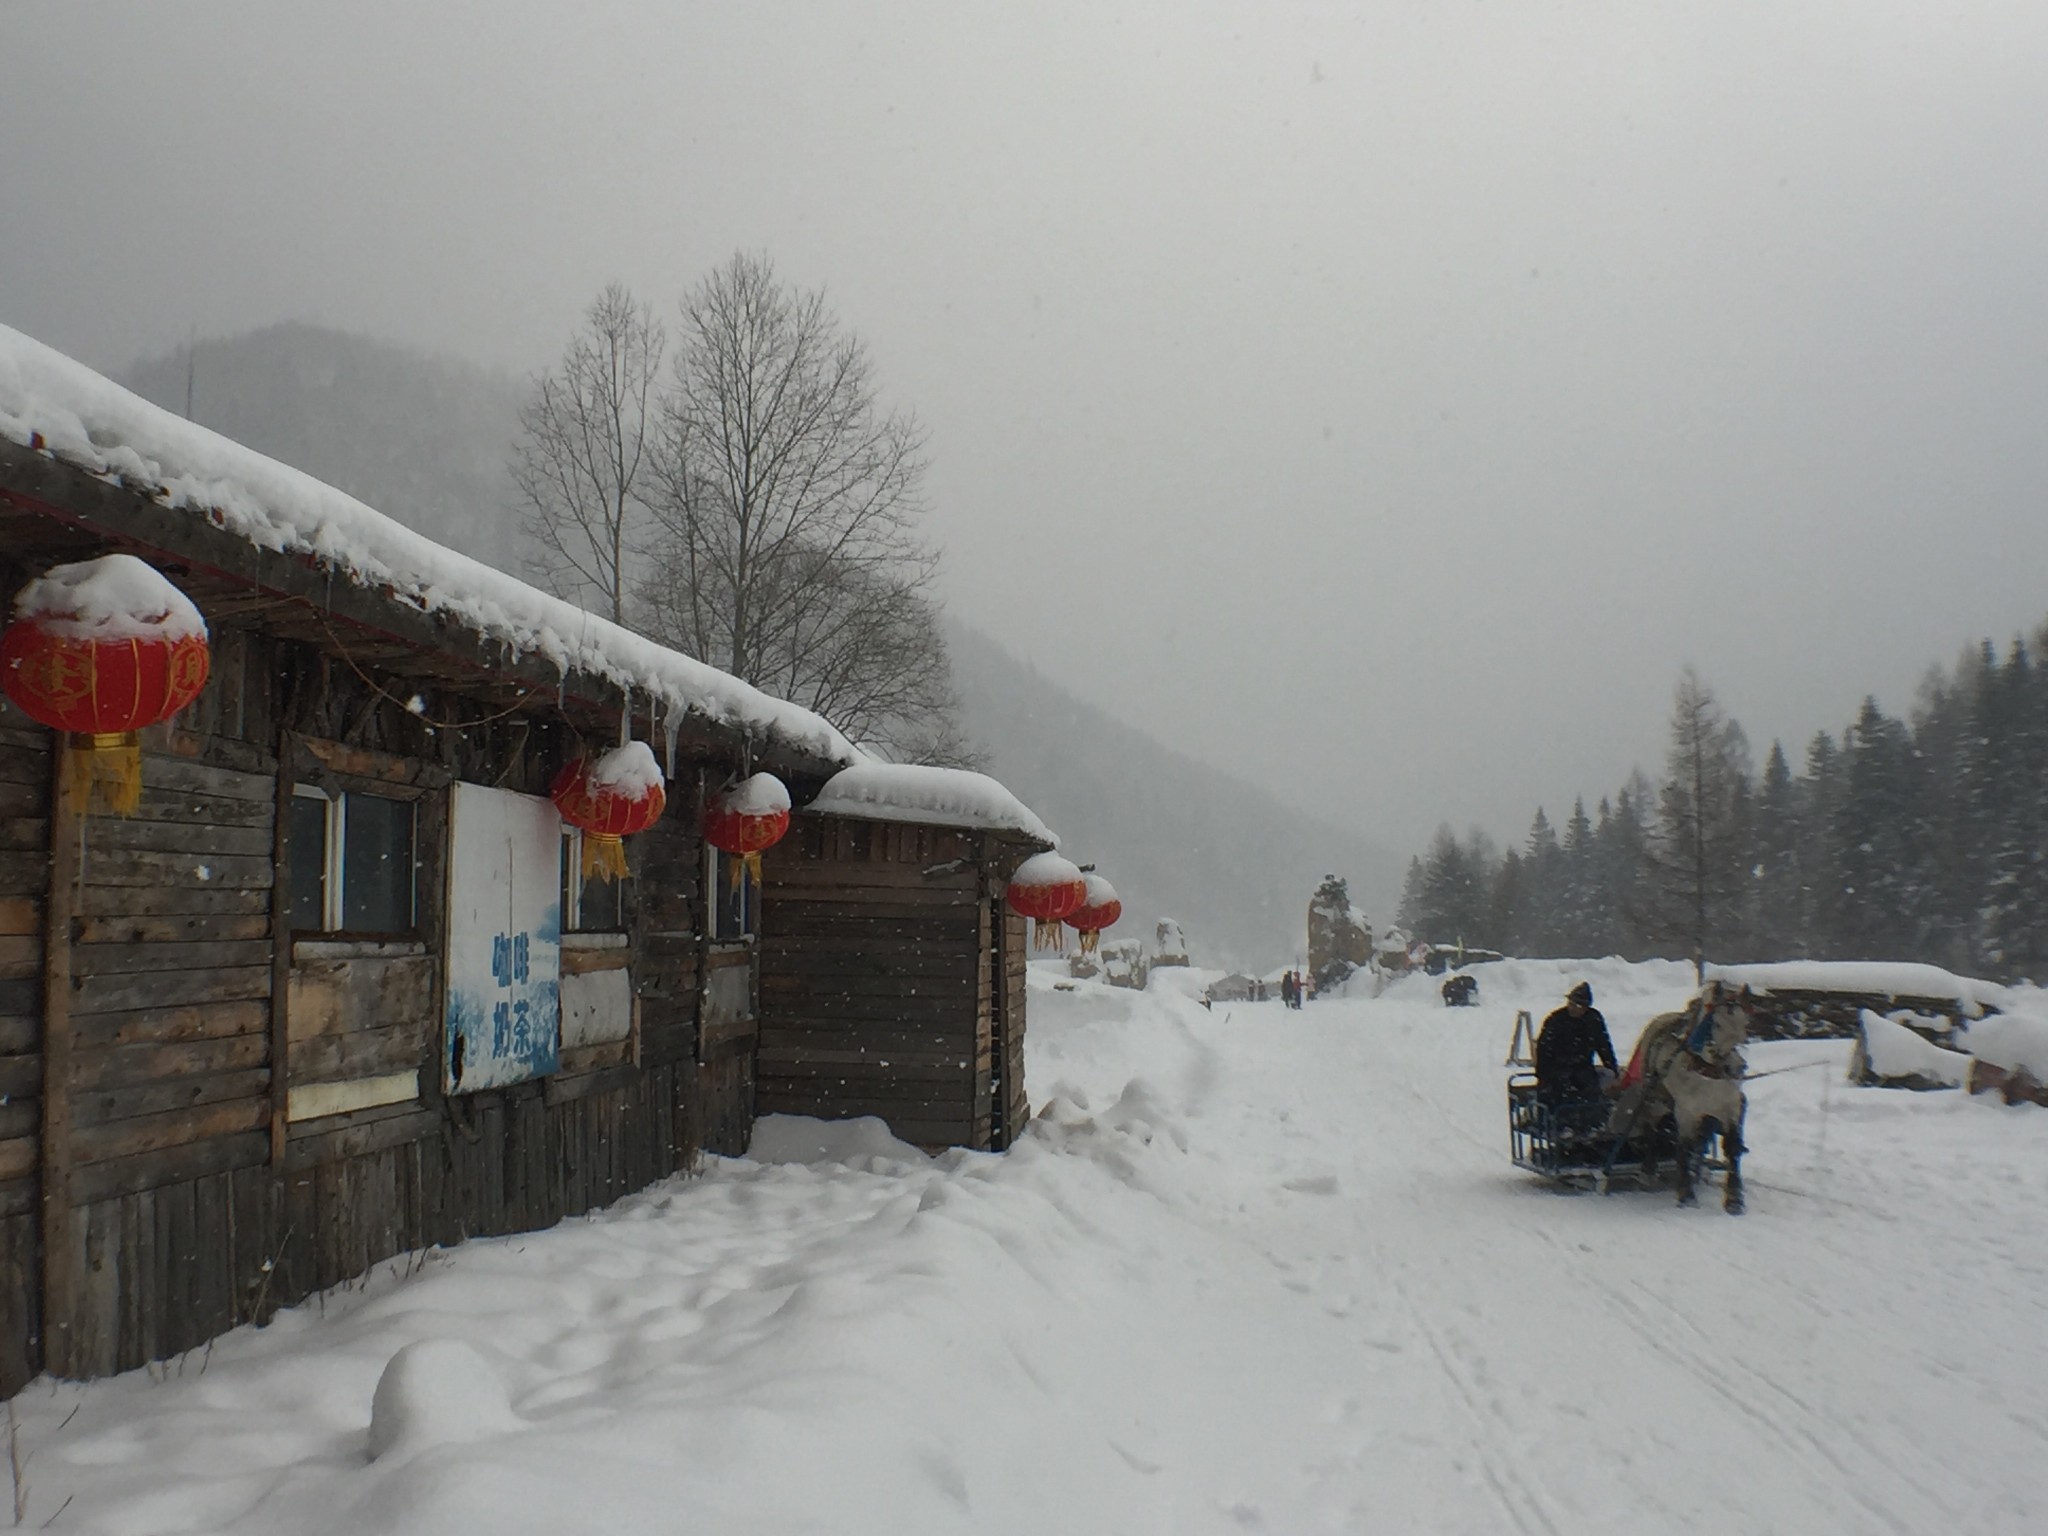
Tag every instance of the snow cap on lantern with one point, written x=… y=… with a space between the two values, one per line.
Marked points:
x=610 y=798
x=1045 y=889
x=750 y=816
x=1099 y=909
x=102 y=649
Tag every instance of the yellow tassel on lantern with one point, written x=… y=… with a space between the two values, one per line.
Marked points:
x=604 y=856
x=744 y=868
x=104 y=773
x=1049 y=933
x=1090 y=937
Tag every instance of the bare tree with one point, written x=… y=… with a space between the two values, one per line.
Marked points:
x=788 y=550
x=583 y=462
x=1696 y=854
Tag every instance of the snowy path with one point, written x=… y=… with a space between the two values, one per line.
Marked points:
x=1843 y=1358
x=1252 y=1271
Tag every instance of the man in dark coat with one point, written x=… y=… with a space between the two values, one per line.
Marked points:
x=1572 y=1039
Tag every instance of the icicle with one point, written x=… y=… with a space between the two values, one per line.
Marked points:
x=626 y=718
x=671 y=728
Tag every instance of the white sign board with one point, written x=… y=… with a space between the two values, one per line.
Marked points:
x=504 y=1009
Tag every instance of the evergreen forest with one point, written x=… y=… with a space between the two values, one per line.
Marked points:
x=1923 y=838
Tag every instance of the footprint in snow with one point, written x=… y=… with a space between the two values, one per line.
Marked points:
x=1313 y=1184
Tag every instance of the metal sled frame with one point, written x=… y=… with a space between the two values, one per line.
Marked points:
x=1564 y=1145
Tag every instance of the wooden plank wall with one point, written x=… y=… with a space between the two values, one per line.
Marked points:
x=191 y=1206
x=1010 y=950
x=875 y=987
x=24 y=878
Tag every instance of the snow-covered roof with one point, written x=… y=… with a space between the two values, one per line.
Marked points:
x=939 y=797
x=49 y=401
x=1864 y=978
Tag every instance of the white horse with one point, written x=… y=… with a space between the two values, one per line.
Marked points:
x=1689 y=1064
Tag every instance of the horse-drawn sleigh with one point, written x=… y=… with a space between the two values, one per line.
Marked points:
x=1679 y=1104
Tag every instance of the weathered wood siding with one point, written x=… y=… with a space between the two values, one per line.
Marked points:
x=1007 y=958
x=883 y=957
x=210 y=1164
x=25 y=770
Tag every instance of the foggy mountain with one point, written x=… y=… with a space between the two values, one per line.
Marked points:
x=1176 y=837
x=425 y=439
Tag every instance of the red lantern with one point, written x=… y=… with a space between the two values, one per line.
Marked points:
x=1099 y=909
x=610 y=799
x=1045 y=889
x=102 y=649
x=750 y=816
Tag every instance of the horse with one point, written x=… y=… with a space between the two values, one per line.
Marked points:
x=1689 y=1064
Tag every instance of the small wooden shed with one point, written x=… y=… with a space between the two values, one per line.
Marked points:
x=238 y=1059
x=892 y=971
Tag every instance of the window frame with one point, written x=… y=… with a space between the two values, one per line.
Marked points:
x=573 y=884
x=334 y=863
x=717 y=882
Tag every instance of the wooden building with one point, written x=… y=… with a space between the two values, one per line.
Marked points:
x=892 y=972
x=236 y=1061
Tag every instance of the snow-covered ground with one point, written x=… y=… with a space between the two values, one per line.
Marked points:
x=1251 y=1270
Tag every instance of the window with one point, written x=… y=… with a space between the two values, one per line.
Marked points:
x=732 y=897
x=352 y=863
x=588 y=906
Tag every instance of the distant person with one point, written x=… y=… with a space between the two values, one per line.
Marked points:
x=1287 y=989
x=1572 y=1041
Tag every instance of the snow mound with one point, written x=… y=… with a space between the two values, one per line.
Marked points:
x=1896 y=1053
x=116 y=597
x=629 y=770
x=1044 y=870
x=1139 y=1114
x=2011 y=1042
x=800 y=1139
x=438 y=1392
x=762 y=795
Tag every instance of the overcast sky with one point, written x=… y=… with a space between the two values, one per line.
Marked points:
x=1385 y=400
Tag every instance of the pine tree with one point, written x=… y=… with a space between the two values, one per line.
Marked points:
x=1575 y=885
x=1624 y=864
x=1697 y=853
x=1543 y=891
x=1505 y=911
x=1820 y=892
x=1941 y=737
x=1879 y=839
x=1451 y=901
x=1409 y=914
x=1779 y=923
x=2016 y=894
